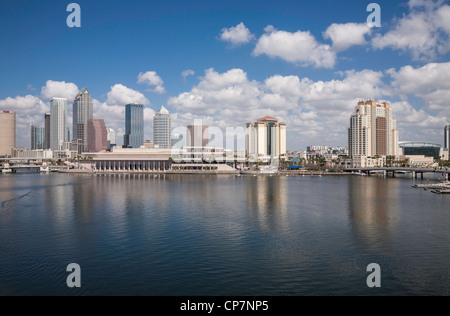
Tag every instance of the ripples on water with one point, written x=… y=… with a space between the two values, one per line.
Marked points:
x=221 y=235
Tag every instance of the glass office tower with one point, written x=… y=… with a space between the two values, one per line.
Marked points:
x=58 y=123
x=37 y=137
x=134 y=126
x=82 y=113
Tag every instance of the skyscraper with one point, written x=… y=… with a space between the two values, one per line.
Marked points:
x=7 y=132
x=58 y=123
x=373 y=130
x=37 y=137
x=97 y=136
x=134 y=126
x=162 y=128
x=447 y=137
x=266 y=138
x=111 y=137
x=47 y=131
x=82 y=113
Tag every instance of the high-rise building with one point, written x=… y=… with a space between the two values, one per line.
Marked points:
x=111 y=137
x=37 y=137
x=373 y=130
x=47 y=131
x=97 y=136
x=197 y=135
x=134 y=126
x=58 y=123
x=162 y=129
x=266 y=138
x=82 y=113
x=7 y=132
x=447 y=137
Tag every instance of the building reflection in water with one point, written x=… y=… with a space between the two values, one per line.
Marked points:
x=267 y=201
x=8 y=196
x=85 y=193
x=373 y=211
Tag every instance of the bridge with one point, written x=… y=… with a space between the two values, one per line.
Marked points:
x=415 y=172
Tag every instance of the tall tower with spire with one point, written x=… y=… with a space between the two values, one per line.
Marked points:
x=162 y=128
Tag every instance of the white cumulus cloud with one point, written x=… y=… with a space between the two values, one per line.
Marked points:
x=237 y=35
x=346 y=35
x=424 y=31
x=122 y=95
x=59 y=89
x=188 y=72
x=151 y=78
x=300 y=48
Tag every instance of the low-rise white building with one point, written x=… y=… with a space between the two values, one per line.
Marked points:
x=418 y=161
x=361 y=161
x=41 y=154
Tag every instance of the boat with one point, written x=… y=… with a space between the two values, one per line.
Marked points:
x=272 y=169
x=361 y=174
x=44 y=168
x=7 y=168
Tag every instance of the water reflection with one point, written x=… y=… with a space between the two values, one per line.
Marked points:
x=84 y=193
x=267 y=201
x=373 y=211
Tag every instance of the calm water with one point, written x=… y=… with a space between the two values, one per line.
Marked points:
x=221 y=235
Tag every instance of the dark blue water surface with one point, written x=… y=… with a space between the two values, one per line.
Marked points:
x=221 y=235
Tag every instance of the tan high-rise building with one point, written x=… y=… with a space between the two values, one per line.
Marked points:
x=7 y=132
x=266 y=138
x=97 y=136
x=373 y=130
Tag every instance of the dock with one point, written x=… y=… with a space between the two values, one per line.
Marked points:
x=439 y=188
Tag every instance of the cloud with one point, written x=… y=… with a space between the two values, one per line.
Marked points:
x=151 y=78
x=299 y=48
x=188 y=72
x=417 y=124
x=344 y=36
x=237 y=35
x=59 y=89
x=424 y=31
x=121 y=95
x=430 y=83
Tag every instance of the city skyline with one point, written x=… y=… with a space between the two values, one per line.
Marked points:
x=366 y=121
x=226 y=67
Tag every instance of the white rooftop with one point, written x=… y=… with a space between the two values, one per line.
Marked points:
x=163 y=110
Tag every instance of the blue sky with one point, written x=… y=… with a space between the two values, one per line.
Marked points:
x=304 y=62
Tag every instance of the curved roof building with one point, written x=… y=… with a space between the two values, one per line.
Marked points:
x=414 y=148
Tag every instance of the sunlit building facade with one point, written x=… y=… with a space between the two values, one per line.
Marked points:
x=373 y=130
x=265 y=138
x=162 y=129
